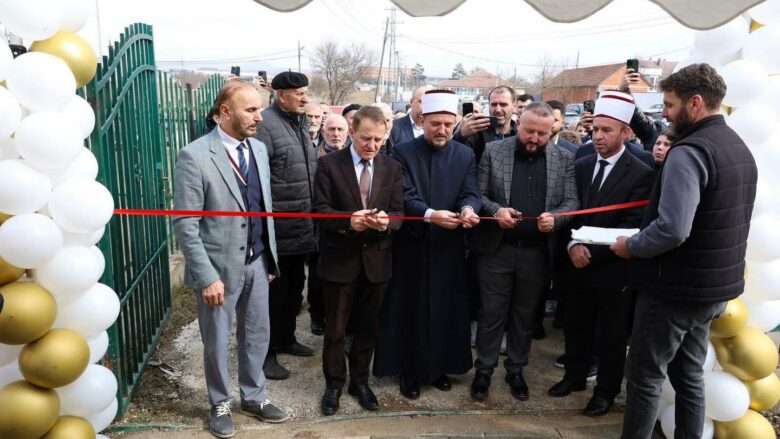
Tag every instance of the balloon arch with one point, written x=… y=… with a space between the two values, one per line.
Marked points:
x=53 y=212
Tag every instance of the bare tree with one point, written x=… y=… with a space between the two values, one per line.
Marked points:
x=191 y=77
x=547 y=70
x=341 y=67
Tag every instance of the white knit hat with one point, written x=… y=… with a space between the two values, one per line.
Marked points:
x=615 y=105
x=440 y=101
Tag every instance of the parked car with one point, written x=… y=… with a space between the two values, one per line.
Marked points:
x=570 y=120
x=574 y=108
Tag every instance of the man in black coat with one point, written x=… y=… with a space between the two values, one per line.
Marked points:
x=596 y=301
x=410 y=127
x=355 y=262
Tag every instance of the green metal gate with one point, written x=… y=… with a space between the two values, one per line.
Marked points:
x=143 y=118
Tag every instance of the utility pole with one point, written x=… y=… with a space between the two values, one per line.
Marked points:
x=381 y=62
x=577 y=64
x=299 y=54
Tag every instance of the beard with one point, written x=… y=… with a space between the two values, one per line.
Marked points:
x=681 y=123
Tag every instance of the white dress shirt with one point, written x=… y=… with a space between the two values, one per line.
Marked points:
x=418 y=131
x=231 y=146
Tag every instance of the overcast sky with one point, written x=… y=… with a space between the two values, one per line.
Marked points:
x=498 y=35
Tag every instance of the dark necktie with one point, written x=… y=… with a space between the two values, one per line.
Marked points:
x=365 y=183
x=596 y=185
x=242 y=161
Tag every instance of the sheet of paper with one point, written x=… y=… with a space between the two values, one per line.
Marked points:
x=600 y=235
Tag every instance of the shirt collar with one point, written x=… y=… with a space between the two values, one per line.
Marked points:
x=356 y=158
x=414 y=125
x=612 y=160
x=228 y=141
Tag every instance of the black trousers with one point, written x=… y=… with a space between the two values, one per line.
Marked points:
x=596 y=323
x=357 y=304
x=668 y=337
x=284 y=297
x=314 y=290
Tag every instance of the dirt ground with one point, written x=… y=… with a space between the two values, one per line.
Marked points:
x=172 y=394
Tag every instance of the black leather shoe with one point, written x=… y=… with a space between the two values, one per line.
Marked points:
x=442 y=383
x=564 y=388
x=518 y=386
x=296 y=349
x=330 y=401
x=598 y=406
x=317 y=327
x=365 y=396
x=480 y=386
x=410 y=388
x=273 y=370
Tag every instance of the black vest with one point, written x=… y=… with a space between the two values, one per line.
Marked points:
x=710 y=265
x=252 y=194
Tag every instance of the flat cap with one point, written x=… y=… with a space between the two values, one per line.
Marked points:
x=287 y=80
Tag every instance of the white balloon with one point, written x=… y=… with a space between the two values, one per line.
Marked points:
x=93 y=312
x=725 y=397
x=761 y=246
x=761 y=47
x=81 y=205
x=79 y=110
x=763 y=280
x=22 y=188
x=85 y=166
x=745 y=80
x=8 y=149
x=48 y=140
x=667 y=391
x=102 y=420
x=764 y=315
x=710 y=359
x=32 y=19
x=29 y=240
x=98 y=345
x=766 y=202
x=41 y=82
x=667 y=422
x=755 y=123
x=9 y=353
x=86 y=239
x=75 y=14
x=101 y=258
x=72 y=272
x=9 y=374
x=767 y=13
x=709 y=429
x=771 y=95
x=6 y=56
x=723 y=40
x=101 y=436
x=90 y=394
x=10 y=113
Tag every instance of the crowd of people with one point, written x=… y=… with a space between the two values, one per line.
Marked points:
x=487 y=239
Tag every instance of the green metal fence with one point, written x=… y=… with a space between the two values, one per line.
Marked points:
x=143 y=119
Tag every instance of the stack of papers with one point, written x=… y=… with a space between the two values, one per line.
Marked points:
x=600 y=235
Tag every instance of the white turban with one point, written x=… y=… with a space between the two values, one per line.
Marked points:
x=615 y=105
x=440 y=101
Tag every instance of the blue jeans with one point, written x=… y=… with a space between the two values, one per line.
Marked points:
x=668 y=337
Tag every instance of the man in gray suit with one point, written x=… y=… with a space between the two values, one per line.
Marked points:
x=229 y=261
x=524 y=175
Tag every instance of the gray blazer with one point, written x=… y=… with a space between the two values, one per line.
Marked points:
x=215 y=247
x=494 y=178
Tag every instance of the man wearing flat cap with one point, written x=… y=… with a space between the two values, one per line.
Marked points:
x=597 y=301
x=424 y=326
x=284 y=131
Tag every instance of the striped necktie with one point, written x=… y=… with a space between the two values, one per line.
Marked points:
x=242 y=161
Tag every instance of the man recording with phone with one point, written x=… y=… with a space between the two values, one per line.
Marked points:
x=477 y=130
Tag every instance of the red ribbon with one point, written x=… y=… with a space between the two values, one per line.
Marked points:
x=162 y=212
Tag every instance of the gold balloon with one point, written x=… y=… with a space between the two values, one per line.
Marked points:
x=764 y=393
x=750 y=426
x=28 y=411
x=9 y=273
x=71 y=427
x=72 y=49
x=28 y=313
x=733 y=319
x=4 y=217
x=750 y=355
x=54 y=360
x=754 y=25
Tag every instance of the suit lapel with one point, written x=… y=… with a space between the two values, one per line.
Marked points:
x=507 y=168
x=587 y=180
x=347 y=167
x=552 y=166
x=410 y=127
x=376 y=180
x=220 y=158
x=259 y=152
x=617 y=173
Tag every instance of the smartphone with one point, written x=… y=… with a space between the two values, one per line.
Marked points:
x=493 y=121
x=468 y=108
x=235 y=70
x=263 y=75
x=588 y=106
x=633 y=63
